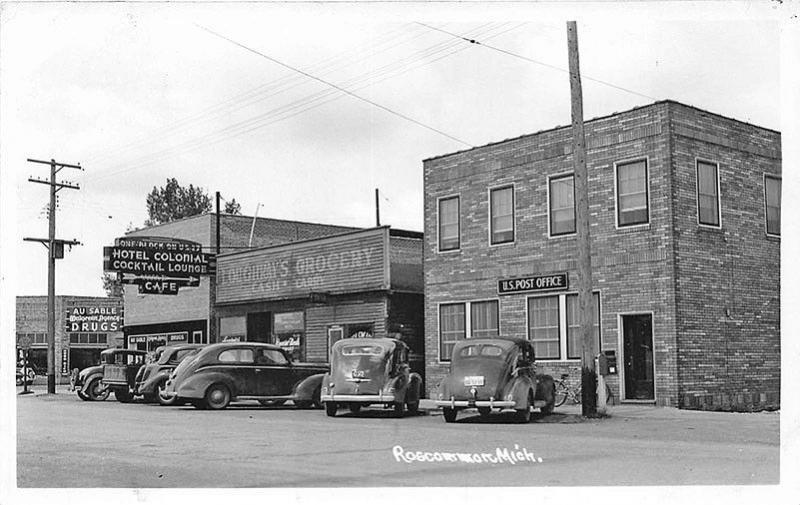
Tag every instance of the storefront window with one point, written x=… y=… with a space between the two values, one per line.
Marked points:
x=574 y=325
x=484 y=319
x=290 y=334
x=452 y=328
x=543 y=327
x=232 y=328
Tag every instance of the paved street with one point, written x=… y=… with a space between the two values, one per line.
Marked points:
x=65 y=442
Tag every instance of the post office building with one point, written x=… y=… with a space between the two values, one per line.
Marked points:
x=684 y=211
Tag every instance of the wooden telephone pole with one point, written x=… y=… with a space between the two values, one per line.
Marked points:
x=585 y=298
x=55 y=249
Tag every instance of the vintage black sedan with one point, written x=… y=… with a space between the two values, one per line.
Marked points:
x=226 y=372
x=367 y=371
x=151 y=381
x=495 y=373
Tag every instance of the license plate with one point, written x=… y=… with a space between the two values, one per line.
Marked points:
x=476 y=380
x=358 y=374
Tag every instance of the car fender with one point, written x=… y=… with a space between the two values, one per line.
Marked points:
x=195 y=386
x=325 y=383
x=89 y=378
x=518 y=389
x=304 y=390
x=150 y=385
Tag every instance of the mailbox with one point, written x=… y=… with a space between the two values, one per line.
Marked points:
x=611 y=362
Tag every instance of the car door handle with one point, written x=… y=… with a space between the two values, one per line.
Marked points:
x=258 y=369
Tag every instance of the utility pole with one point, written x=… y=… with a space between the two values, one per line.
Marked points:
x=377 y=209
x=585 y=298
x=55 y=250
x=212 y=282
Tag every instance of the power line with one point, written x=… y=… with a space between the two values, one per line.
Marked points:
x=327 y=83
x=554 y=67
x=310 y=102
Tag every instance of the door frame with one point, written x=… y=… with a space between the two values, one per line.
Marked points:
x=621 y=353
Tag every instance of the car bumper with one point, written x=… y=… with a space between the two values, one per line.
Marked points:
x=379 y=398
x=453 y=403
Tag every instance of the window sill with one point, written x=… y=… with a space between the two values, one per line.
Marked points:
x=630 y=228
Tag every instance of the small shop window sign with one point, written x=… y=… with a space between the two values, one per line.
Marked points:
x=549 y=282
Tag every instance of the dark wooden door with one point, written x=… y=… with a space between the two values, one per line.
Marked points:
x=637 y=334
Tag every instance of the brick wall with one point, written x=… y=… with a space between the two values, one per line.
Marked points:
x=729 y=278
x=684 y=276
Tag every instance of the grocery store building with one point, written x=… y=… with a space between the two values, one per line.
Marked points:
x=685 y=243
x=306 y=295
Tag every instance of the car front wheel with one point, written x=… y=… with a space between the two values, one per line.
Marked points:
x=217 y=397
x=331 y=408
x=96 y=392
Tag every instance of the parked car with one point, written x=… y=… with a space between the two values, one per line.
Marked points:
x=230 y=371
x=495 y=373
x=116 y=372
x=367 y=371
x=28 y=373
x=151 y=381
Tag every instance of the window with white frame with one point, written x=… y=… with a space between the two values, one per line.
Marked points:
x=544 y=326
x=452 y=328
x=449 y=226
x=501 y=215
x=454 y=325
x=574 y=343
x=772 y=201
x=632 y=197
x=554 y=326
x=484 y=319
x=562 y=205
x=707 y=193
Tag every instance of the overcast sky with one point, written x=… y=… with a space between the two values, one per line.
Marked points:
x=137 y=93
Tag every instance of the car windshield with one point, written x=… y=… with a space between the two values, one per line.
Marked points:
x=485 y=350
x=363 y=350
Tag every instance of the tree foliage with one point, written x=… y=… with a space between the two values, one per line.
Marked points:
x=233 y=207
x=173 y=201
x=111 y=285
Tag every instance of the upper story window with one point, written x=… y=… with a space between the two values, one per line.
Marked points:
x=562 y=205
x=449 y=224
x=708 y=193
x=772 y=201
x=501 y=215
x=632 y=197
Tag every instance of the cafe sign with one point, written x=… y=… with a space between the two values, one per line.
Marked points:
x=536 y=283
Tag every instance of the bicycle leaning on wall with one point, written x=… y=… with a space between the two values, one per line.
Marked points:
x=564 y=391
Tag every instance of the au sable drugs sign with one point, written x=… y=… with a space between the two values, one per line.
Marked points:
x=533 y=283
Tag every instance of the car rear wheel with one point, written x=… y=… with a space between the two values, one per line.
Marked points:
x=524 y=414
x=355 y=408
x=484 y=411
x=449 y=414
x=413 y=407
x=162 y=396
x=331 y=408
x=123 y=395
x=217 y=397
x=95 y=391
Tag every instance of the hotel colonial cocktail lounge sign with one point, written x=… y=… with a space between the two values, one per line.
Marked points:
x=158 y=265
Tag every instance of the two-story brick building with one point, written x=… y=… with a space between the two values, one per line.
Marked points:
x=685 y=238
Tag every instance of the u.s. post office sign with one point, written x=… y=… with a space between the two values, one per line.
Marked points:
x=94 y=319
x=549 y=282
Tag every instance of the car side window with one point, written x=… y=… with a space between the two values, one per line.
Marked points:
x=270 y=357
x=236 y=356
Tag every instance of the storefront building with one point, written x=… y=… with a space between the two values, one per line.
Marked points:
x=84 y=326
x=307 y=295
x=153 y=320
x=685 y=242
